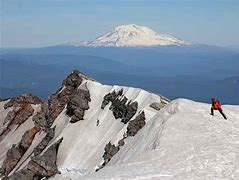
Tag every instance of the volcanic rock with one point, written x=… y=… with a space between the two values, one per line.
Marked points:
x=135 y=125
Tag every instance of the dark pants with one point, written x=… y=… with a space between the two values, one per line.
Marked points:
x=220 y=110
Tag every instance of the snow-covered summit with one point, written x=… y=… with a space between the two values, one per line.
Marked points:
x=132 y=35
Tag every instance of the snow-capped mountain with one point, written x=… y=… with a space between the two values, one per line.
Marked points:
x=87 y=130
x=132 y=35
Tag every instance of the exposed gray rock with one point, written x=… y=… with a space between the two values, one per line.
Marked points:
x=41 y=166
x=43 y=144
x=40 y=120
x=110 y=151
x=64 y=95
x=21 y=110
x=10 y=116
x=110 y=97
x=54 y=108
x=16 y=152
x=45 y=165
x=121 y=142
x=119 y=106
x=131 y=110
x=77 y=105
x=135 y=125
x=16 y=117
x=157 y=106
x=19 y=114
x=13 y=156
x=23 y=174
x=73 y=80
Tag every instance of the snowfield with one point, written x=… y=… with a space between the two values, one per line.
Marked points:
x=180 y=141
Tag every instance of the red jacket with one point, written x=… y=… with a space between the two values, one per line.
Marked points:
x=216 y=104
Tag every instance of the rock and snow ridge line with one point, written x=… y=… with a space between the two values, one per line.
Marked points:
x=93 y=119
x=127 y=133
x=132 y=35
x=181 y=141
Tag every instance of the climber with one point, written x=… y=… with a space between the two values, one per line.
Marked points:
x=217 y=106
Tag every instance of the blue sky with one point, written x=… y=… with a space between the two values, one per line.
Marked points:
x=34 y=23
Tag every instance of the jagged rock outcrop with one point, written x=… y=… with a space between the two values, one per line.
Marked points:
x=40 y=166
x=63 y=96
x=119 y=106
x=78 y=104
x=23 y=99
x=45 y=165
x=73 y=80
x=132 y=129
x=21 y=110
x=28 y=137
x=135 y=125
x=13 y=156
x=40 y=120
x=110 y=97
x=131 y=109
x=16 y=152
x=20 y=114
x=43 y=144
x=32 y=157
x=110 y=151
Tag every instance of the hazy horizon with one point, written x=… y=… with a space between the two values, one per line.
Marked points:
x=44 y=23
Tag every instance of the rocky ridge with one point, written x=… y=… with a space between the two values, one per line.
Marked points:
x=34 y=154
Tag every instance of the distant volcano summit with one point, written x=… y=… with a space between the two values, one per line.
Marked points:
x=132 y=35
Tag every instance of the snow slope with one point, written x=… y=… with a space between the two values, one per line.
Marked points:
x=132 y=35
x=86 y=139
x=181 y=141
x=83 y=142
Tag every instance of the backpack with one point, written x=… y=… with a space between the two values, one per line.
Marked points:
x=216 y=104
